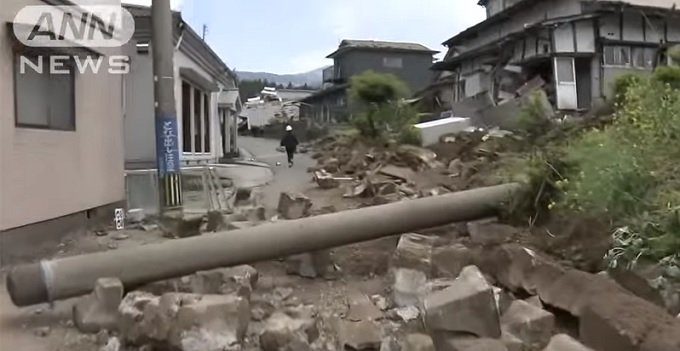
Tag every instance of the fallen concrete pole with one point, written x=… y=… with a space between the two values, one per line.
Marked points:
x=74 y=276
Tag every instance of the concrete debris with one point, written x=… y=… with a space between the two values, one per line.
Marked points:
x=112 y=345
x=411 y=266
x=283 y=293
x=240 y=280
x=490 y=233
x=466 y=343
x=408 y=313
x=414 y=251
x=637 y=284
x=380 y=302
x=216 y=222
x=456 y=168
x=99 y=310
x=361 y=308
x=511 y=342
x=326 y=180
x=401 y=173
x=448 y=261
x=294 y=206
x=407 y=286
x=253 y=213
x=186 y=322
x=533 y=325
x=563 y=342
x=468 y=306
x=418 y=157
x=311 y=265
x=535 y=301
x=503 y=299
x=331 y=165
x=283 y=332
x=364 y=335
x=390 y=343
x=418 y=342
x=184 y=227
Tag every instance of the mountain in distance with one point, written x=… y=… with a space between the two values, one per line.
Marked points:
x=312 y=78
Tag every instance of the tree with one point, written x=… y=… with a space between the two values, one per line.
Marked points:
x=377 y=97
x=290 y=86
x=305 y=87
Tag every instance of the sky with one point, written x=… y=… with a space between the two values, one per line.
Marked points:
x=294 y=36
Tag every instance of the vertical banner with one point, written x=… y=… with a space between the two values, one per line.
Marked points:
x=168 y=162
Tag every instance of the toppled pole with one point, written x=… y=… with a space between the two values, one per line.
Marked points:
x=74 y=276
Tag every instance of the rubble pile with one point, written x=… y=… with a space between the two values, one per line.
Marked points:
x=392 y=172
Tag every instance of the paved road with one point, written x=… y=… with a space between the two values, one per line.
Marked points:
x=295 y=179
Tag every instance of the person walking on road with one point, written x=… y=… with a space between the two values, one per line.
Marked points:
x=289 y=142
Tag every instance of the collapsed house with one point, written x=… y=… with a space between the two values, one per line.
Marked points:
x=571 y=50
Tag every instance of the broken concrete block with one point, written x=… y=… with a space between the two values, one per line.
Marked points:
x=418 y=342
x=414 y=251
x=535 y=300
x=210 y=323
x=310 y=264
x=503 y=299
x=282 y=332
x=294 y=206
x=99 y=310
x=136 y=314
x=361 y=307
x=253 y=213
x=468 y=306
x=113 y=344
x=216 y=221
x=448 y=261
x=240 y=280
x=533 y=325
x=364 y=335
x=326 y=180
x=511 y=342
x=468 y=343
x=390 y=344
x=407 y=286
x=563 y=342
x=490 y=233
x=184 y=321
x=183 y=227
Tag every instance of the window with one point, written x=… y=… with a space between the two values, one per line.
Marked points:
x=44 y=99
x=644 y=58
x=565 y=70
x=186 y=117
x=196 y=135
x=617 y=56
x=393 y=62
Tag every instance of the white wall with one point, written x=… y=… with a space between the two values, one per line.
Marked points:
x=46 y=174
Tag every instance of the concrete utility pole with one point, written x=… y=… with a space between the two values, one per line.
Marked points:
x=167 y=141
x=73 y=276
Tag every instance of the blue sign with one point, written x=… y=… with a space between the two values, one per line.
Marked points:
x=167 y=145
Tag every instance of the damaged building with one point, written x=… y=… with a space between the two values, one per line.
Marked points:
x=571 y=50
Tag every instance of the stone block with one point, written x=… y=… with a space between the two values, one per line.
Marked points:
x=182 y=227
x=407 y=285
x=418 y=342
x=99 y=310
x=503 y=299
x=364 y=335
x=468 y=343
x=468 y=306
x=216 y=221
x=448 y=261
x=210 y=323
x=511 y=342
x=240 y=280
x=414 y=251
x=283 y=332
x=483 y=233
x=294 y=206
x=563 y=342
x=533 y=325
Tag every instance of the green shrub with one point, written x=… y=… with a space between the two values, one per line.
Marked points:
x=627 y=171
x=410 y=135
x=623 y=83
x=534 y=118
x=669 y=75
